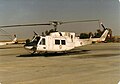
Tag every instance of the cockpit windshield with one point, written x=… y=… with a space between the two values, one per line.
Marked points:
x=34 y=42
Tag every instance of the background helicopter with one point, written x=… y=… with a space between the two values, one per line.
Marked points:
x=13 y=40
x=56 y=41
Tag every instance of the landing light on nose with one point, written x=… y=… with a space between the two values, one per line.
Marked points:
x=28 y=47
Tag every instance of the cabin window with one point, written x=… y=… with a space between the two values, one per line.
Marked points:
x=57 y=42
x=63 y=42
x=42 y=41
x=72 y=38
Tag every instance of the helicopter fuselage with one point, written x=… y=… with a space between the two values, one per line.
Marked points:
x=59 y=42
x=55 y=42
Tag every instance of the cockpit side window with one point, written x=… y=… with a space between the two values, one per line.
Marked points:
x=42 y=41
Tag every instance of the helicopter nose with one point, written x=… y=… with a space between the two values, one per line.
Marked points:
x=28 y=47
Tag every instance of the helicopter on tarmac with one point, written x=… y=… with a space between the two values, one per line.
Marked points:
x=57 y=41
x=13 y=40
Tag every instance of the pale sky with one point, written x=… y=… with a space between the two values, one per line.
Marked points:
x=43 y=11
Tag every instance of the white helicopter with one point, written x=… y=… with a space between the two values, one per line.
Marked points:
x=57 y=41
x=8 y=42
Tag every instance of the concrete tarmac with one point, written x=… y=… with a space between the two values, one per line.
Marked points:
x=91 y=64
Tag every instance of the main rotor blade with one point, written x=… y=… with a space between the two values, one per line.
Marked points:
x=54 y=23
x=23 y=25
x=5 y=35
x=81 y=21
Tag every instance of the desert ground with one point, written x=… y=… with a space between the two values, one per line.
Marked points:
x=92 y=64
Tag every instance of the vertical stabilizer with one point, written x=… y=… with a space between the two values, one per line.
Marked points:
x=15 y=39
x=104 y=35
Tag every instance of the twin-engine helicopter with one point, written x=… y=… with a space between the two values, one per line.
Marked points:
x=13 y=41
x=58 y=41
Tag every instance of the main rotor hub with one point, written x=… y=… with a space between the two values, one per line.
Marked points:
x=55 y=23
